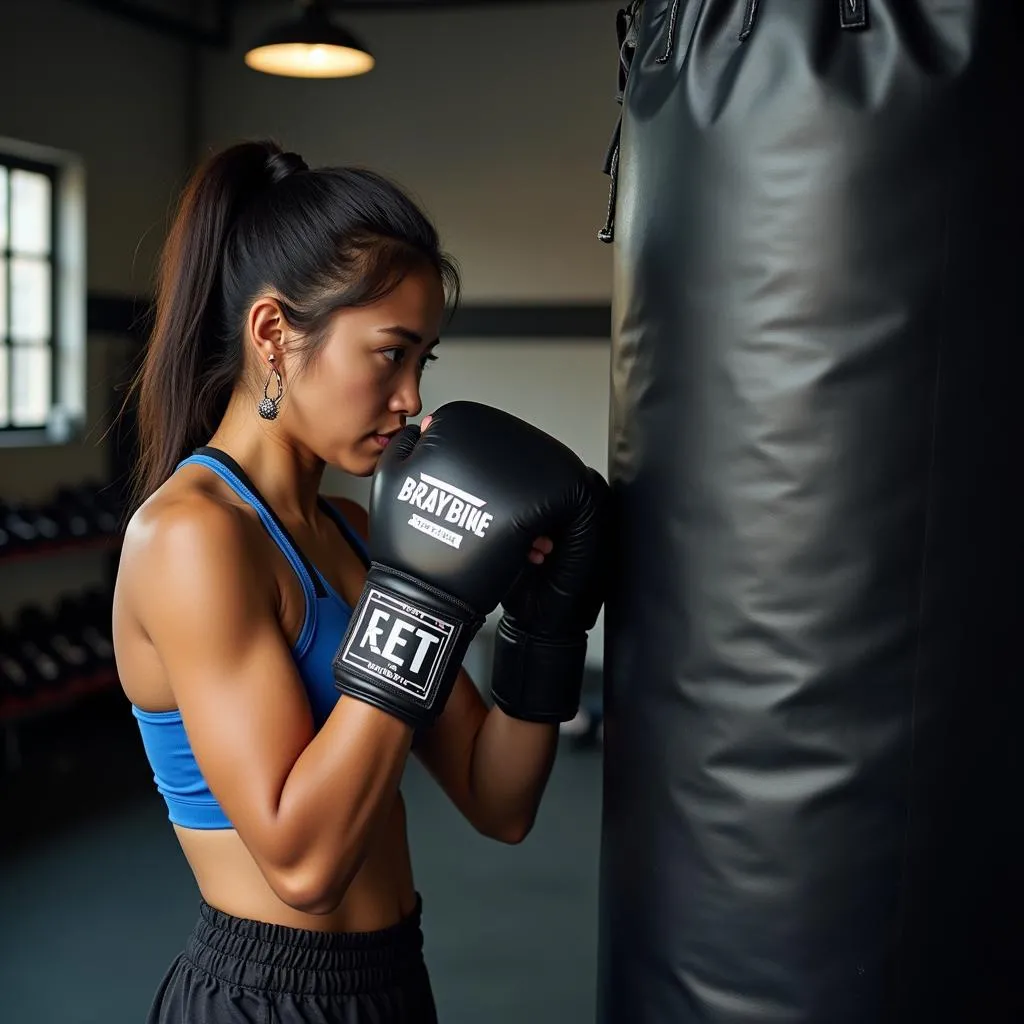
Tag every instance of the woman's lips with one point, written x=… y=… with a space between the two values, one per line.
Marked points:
x=383 y=440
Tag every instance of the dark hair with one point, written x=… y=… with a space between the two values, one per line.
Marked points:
x=255 y=217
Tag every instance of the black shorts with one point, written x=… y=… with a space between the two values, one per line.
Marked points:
x=247 y=971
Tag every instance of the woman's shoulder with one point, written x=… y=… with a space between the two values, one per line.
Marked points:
x=187 y=522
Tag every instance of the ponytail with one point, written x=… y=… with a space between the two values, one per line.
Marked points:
x=256 y=217
x=189 y=369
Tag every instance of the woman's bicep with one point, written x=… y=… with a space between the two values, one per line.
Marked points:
x=214 y=624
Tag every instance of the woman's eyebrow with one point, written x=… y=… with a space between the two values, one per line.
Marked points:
x=405 y=334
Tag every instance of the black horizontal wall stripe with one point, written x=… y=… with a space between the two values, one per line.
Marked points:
x=531 y=321
x=123 y=314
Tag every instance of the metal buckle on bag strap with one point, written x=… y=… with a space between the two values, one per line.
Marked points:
x=853 y=13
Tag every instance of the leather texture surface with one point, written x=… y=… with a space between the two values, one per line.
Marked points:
x=812 y=670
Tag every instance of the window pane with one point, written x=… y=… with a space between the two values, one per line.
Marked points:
x=4 y=411
x=30 y=371
x=30 y=213
x=3 y=298
x=3 y=207
x=30 y=300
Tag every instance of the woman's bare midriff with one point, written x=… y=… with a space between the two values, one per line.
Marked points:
x=380 y=895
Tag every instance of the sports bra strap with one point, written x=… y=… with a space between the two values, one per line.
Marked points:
x=246 y=489
x=355 y=541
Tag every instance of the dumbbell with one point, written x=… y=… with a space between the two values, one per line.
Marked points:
x=85 y=619
x=29 y=524
x=72 y=516
x=20 y=532
x=100 y=506
x=40 y=667
x=73 y=657
x=15 y=677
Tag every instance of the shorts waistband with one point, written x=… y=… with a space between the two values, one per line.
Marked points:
x=274 y=958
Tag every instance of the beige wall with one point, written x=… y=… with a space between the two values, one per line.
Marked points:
x=86 y=82
x=498 y=120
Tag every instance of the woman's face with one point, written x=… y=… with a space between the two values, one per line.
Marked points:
x=364 y=383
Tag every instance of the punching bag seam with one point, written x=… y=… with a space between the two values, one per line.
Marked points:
x=924 y=569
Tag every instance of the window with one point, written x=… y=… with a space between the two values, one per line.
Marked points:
x=42 y=336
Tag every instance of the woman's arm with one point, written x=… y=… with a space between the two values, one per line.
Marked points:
x=493 y=768
x=305 y=803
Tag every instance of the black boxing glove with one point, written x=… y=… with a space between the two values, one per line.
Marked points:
x=454 y=513
x=540 y=648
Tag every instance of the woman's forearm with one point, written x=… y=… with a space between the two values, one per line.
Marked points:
x=511 y=764
x=340 y=790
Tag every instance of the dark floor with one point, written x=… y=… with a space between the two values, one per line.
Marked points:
x=94 y=906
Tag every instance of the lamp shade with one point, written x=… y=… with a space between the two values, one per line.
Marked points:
x=310 y=46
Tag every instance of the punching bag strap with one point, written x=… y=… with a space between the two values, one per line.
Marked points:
x=749 y=17
x=607 y=233
x=626 y=26
x=670 y=36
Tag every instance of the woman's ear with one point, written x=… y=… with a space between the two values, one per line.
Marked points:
x=267 y=330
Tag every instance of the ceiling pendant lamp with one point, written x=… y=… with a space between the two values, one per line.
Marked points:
x=310 y=46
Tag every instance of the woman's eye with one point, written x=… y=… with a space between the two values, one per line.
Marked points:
x=397 y=357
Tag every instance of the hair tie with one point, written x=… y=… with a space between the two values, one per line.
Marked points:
x=284 y=165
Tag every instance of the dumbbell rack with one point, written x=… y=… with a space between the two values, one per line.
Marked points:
x=17 y=710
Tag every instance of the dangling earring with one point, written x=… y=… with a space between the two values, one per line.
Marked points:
x=268 y=407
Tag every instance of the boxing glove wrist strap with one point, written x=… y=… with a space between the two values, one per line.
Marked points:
x=404 y=646
x=537 y=679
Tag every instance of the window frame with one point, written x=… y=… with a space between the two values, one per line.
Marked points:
x=67 y=341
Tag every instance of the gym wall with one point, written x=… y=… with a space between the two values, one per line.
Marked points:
x=116 y=96
x=505 y=154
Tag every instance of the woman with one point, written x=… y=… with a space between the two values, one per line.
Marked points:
x=296 y=312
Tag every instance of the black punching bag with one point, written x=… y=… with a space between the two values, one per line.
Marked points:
x=812 y=787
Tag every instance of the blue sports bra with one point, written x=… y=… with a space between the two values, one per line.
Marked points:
x=175 y=771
